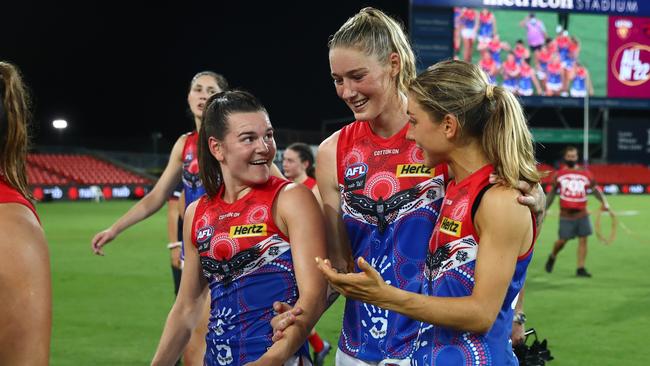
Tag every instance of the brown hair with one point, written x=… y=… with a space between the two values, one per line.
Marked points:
x=376 y=34
x=215 y=124
x=305 y=154
x=14 y=116
x=222 y=83
x=489 y=113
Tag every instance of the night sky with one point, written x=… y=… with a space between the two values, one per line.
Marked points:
x=122 y=70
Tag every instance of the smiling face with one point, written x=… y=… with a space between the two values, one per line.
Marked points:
x=362 y=82
x=202 y=88
x=430 y=135
x=247 y=150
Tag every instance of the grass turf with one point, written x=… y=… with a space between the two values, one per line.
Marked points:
x=111 y=310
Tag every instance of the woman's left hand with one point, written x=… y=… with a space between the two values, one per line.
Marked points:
x=367 y=285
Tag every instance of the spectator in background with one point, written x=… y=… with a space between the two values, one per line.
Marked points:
x=535 y=31
x=25 y=284
x=573 y=182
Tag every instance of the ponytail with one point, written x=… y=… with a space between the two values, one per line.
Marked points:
x=486 y=112
x=507 y=141
x=375 y=33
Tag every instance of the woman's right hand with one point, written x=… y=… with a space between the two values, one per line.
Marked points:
x=102 y=238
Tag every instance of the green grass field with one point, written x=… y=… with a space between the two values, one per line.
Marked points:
x=590 y=30
x=110 y=310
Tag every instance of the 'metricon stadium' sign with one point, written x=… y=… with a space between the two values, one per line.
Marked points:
x=604 y=6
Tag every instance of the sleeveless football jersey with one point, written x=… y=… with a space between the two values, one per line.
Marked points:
x=309 y=182
x=573 y=184
x=192 y=185
x=449 y=272
x=390 y=202
x=247 y=262
x=9 y=194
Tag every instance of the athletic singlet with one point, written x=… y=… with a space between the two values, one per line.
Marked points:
x=554 y=73
x=573 y=184
x=543 y=59
x=486 y=25
x=389 y=202
x=579 y=81
x=468 y=18
x=495 y=50
x=449 y=272
x=526 y=78
x=247 y=262
x=489 y=67
x=563 y=44
x=309 y=182
x=9 y=194
x=520 y=53
x=192 y=185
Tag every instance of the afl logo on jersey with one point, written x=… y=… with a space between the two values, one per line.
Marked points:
x=204 y=234
x=355 y=176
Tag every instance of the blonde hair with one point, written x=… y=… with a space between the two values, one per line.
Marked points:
x=376 y=34
x=14 y=115
x=489 y=113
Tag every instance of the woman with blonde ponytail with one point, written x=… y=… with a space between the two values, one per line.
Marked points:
x=482 y=243
x=26 y=301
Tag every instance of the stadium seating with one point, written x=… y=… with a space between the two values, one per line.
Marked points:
x=54 y=169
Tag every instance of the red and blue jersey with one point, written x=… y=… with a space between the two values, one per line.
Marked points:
x=486 y=25
x=450 y=272
x=390 y=202
x=192 y=185
x=247 y=262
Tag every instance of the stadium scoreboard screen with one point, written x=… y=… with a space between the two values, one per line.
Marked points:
x=549 y=52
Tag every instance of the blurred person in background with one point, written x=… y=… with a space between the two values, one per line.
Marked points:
x=573 y=181
x=298 y=166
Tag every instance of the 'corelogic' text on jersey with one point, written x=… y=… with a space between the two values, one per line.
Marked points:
x=390 y=202
x=248 y=264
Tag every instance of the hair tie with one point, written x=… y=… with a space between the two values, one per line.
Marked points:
x=489 y=91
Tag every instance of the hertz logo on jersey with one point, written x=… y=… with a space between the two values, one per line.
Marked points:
x=243 y=231
x=414 y=170
x=451 y=227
